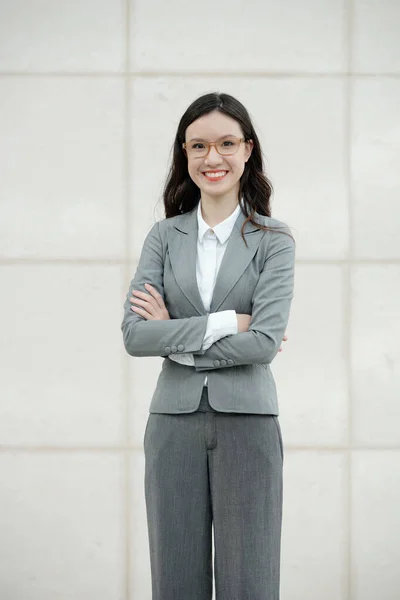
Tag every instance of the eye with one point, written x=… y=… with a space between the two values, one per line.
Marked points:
x=196 y=145
x=228 y=142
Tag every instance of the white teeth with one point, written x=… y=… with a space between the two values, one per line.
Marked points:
x=215 y=175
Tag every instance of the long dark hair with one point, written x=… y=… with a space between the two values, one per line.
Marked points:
x=181 y=194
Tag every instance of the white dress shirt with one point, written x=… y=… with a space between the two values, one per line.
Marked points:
x=211 y=245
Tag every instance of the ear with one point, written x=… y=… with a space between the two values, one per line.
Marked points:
x=248 y=149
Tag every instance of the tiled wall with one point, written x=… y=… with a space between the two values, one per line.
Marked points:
x=91 y=92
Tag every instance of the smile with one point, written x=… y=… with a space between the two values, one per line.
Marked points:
x=214 y=176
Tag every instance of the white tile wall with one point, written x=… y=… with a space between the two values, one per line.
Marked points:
x=61 y=355
x=375 y=354
x=376 y=36
x=375 y=524
x=314 y=529
x=375 y=160
x=90 y=97
x=311 y=372
x=78 y=36
x=235 y=36
x=65 y=135
x=62 y=525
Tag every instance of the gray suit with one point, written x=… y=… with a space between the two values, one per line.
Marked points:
x=257 y=280
x=220 y=465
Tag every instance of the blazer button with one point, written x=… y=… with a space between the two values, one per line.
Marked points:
x=230 y=361
x=216 y=362
x=223 y=362
x=181 y=347
x=174 y=348
x=167 y=350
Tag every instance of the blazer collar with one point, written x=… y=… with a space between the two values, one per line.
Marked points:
x=222 y=231
x=182 y=245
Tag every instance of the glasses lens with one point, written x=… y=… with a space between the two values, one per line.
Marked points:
x=197 y=148
x=229 y=145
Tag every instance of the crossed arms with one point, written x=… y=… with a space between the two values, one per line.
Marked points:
x=271 y=302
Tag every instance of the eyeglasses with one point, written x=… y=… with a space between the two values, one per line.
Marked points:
x=225 y=146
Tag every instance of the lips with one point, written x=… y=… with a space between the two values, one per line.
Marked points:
x=218 y=171
x=214 y=178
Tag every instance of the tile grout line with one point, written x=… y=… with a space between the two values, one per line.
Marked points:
x=130 y=448
x=348 y=315
x=125 y=271
x=127 y=262
x=125 y=74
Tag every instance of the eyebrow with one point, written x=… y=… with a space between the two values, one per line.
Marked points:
x=220 y=138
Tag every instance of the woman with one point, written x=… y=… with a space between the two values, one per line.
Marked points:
x=212 y=295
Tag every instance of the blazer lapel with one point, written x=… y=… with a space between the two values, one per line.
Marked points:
x=182 y=244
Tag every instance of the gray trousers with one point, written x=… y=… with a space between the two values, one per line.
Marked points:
x=209 y=468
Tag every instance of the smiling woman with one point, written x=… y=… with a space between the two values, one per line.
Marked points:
x=215 y=135
x=221 y=161
x=212 y=295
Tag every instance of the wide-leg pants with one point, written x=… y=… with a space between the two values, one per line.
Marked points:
x=209 y=468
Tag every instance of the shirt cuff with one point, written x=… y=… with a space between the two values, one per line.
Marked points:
x=183 y=359
x=219 y=325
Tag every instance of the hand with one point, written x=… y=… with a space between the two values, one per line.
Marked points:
x=285 y=340
x=243 y=322
x=243 y=325
x=153 y=304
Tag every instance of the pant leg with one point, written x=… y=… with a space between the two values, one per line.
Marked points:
x=246 y=468
x=178 y=508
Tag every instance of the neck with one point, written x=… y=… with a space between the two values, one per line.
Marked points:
x=215 y=210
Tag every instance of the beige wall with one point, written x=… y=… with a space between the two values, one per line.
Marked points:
x=90 y=96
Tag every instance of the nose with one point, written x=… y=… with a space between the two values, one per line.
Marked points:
x=213 y=158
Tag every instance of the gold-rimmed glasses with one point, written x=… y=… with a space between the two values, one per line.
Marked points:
x=226 y=146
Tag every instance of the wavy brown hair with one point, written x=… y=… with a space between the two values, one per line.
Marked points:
x=181 y=194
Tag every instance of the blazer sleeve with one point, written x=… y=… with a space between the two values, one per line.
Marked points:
x=219 y=325
x=144 y=337
x=271 y=304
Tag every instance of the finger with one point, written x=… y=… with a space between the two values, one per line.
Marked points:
x=159 y=299
x=138 y=301
x=147 y=306
x=146 y=297
x=139 y=294
x=141 y=312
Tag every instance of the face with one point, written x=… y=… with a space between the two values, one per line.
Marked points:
x=210 y=128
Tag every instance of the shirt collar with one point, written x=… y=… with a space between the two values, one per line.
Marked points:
x=223 y=230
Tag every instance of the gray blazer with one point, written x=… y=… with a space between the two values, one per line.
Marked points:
x=257 y=280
